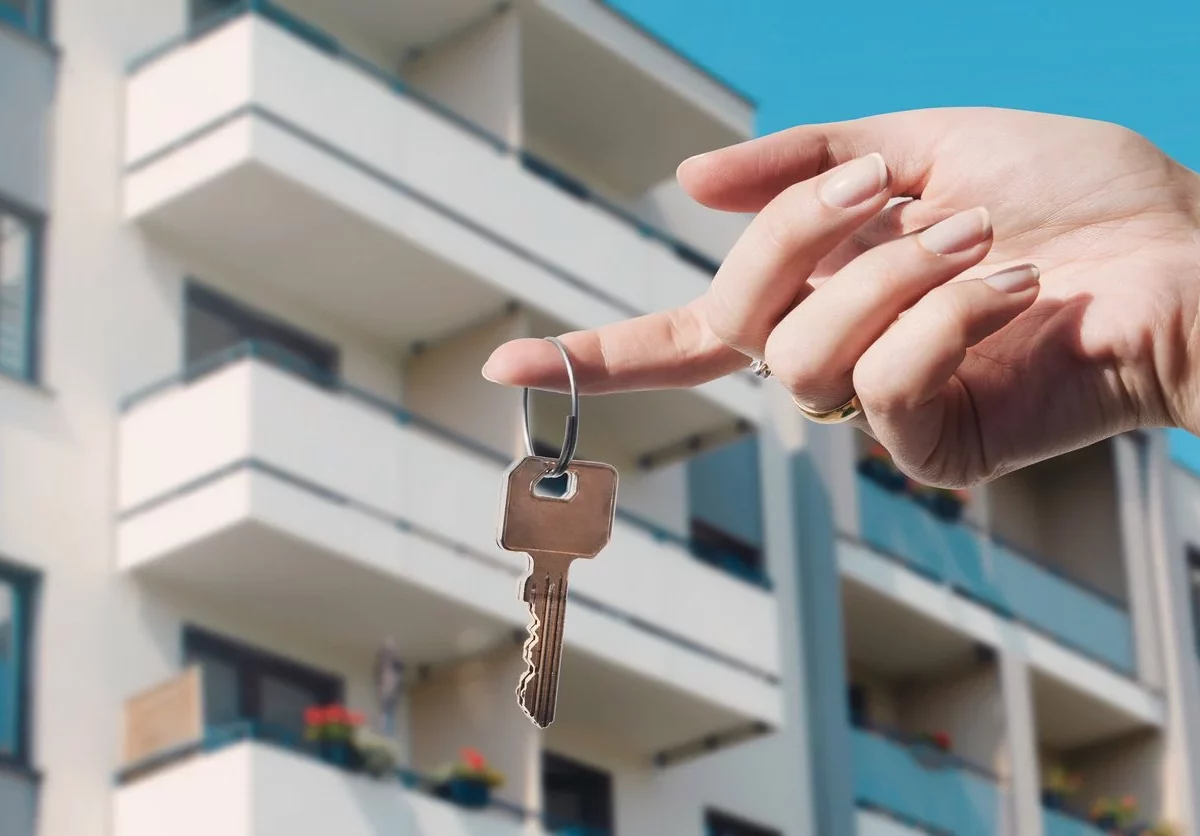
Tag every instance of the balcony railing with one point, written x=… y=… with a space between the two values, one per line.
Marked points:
x=924 y=788
x=997 y=576
x=536 y=166
x=290 y=363
x=220 y=737
x=1060 y=824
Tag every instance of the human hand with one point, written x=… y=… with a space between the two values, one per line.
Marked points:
x=961 y=376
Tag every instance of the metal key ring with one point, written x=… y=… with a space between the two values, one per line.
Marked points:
x=571 y=437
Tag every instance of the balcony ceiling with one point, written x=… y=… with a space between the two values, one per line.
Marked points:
x=1069 y=717
x=393 y=26
x=332 y=259
x=892 y=640
x=590 y=110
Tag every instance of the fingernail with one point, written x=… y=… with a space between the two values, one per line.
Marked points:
x=689 y=161
x=855 y=182
x=958 y=232
x=486 y=376
x=1015 y=279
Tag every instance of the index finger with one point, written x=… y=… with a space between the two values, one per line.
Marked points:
x=663 y=350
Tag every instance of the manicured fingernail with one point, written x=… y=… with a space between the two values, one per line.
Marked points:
x=855 y=182
x=958 y=232
x=486 y=376
x=690 y=160
x=1015 y=279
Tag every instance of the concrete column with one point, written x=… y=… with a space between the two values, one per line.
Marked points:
x=1129 y=464
x=1172 y=527
x=820 y=712
x=1024 y=778
x=779 y=440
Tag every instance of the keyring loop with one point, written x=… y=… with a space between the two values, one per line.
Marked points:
x=571 y=436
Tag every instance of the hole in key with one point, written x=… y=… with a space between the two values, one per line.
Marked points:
x=555 y=487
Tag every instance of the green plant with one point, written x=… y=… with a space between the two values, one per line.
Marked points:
x=474 y=767
x=1115 y=812
x=1060 y=781
x=377 y=759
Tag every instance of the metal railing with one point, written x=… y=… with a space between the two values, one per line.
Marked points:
x=987 y=570
x=537 y=166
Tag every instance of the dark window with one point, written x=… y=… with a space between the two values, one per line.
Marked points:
x=720 y=824
x=856 y=696
x=242 y=683
x=726 y=551
x=1193 y=556
x=20 y=254
x=16 y=592
x=576 y=796
x=217 y=323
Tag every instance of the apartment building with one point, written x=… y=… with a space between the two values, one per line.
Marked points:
x=253 y=256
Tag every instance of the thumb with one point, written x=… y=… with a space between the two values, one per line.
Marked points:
x=747 y=176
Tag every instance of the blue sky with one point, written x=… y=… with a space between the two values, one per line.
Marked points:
x=1133 y=63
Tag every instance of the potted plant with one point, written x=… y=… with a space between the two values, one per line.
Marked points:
x=1114 y=813
x=944 y=503
x=470 y=782
x=931 y=748
x=376 y=754
x=1060 y=785
x=331 y=728
x=877 y=465
x=939 y=740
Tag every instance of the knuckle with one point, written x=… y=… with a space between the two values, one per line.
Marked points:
x=879 y=391
x=724 y=318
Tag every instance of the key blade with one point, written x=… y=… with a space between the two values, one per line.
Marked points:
x=579 y=524
x=545 y=590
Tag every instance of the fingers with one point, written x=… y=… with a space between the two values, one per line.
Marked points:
x=766 y=272
x=670 y=349
x=745 y=177
x=904 y=381
x=814 y=350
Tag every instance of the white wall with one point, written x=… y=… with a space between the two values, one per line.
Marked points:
x=477 y=74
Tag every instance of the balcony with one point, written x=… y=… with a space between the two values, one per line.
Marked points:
x=996 y=576
x=923 y=788
x=239 y=780
x=298 y=161
x=257 y=488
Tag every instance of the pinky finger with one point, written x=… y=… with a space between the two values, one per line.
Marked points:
x=901 y=378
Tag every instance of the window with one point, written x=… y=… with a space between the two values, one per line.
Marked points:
x=15 y=600
x=576 y=798
x=215 y=323
x=26 y=15
x=242 y=683
x=20 y=250
x=719 y=824
x=1193 y=556
x=720 y=549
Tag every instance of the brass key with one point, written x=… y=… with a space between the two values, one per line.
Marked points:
x=552 y=531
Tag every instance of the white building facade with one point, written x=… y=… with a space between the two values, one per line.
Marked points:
x=253 y=256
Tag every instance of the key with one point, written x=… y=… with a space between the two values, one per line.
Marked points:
x=552 y=532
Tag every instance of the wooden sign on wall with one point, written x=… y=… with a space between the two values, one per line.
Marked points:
x=167 y=716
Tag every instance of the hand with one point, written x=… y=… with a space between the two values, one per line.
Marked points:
x=968 y=362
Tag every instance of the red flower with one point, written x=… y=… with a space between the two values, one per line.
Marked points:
x=941 y=740
x=473 y=759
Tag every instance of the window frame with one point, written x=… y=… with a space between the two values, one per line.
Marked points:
x=36 y=222
x=279 y=333
x=258 y=663
x=1192 y=556
x=24 y=586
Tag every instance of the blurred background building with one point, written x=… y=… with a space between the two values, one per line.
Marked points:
x=252 y=258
